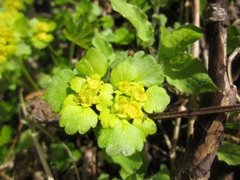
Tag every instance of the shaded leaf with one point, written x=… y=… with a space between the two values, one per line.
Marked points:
x=188 y=75
x=129 y=164
x=229 y=153
x=137 y=17
x=5 y=135
x=173 y=42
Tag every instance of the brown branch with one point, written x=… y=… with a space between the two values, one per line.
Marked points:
x=196 y=112
x=209 y=129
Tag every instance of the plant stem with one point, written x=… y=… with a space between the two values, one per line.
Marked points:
x=71 y=51
x=53 y=55
x=27 y=74
x=35 y=140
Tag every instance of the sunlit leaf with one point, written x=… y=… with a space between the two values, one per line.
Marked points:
x=94 y=62
x=158 y=99
x=141 y=68
x=102 y=45
x=124 y=139
x=75 y=118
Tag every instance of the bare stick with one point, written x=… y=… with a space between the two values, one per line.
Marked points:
x=196 y=22
x=196 y=112
x=35 y=140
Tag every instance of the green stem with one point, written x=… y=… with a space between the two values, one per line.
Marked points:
x=53 y=55
x=71 y=51
x=27 y=74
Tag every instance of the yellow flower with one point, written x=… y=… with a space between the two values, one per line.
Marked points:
x=133 y=89
x=94 y=82
x=43 y=37
x=124 y=107
x=13 y=5
x=91 y=91
x=6 y=34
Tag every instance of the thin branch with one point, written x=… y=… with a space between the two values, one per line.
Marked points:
x=232 y=138
x=196 y=22
x=27 y=74
x=175 y=136
x=35 y=140
x=165 y=136
x=196 y=112
x=229 y=67
x=55 y=139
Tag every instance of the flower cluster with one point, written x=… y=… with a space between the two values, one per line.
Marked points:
x=92 y=91
x=118 y=102
x=41 y=30
x=9 y=36
x=7 y=43
x=15 y=5
x=128 y=101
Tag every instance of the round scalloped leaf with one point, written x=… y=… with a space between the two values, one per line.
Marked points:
x=105 y=97
x=76 y=118
x=76 y=83
x=124 y=139
x=57 y=90
x=147 y=125
x=141 y=68
x=94 y=62
x=107 y=119
x=158 y=99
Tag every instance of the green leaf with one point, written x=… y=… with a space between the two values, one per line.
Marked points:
x=59 y=156
x=233 y=38
x=121 y=36
x=101 y=44
x=137 y=17
x=57 y=89
x=80 y=26
x=188 y=75
x=76 y=118
x=129 y=164
x=160 y=19
x=6 y=110
x=107 y=119
x=158 y=99
x=107 y=21
x=105 y=96
x=94 y=62
x=173 y=42
x=25 y=140
x=5 y=135
x=163 y=174
x=229 y=153
x=141 y=68
x=124 y=139
x=147 y=125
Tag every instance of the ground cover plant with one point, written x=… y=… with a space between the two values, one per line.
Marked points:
x=85 y=84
